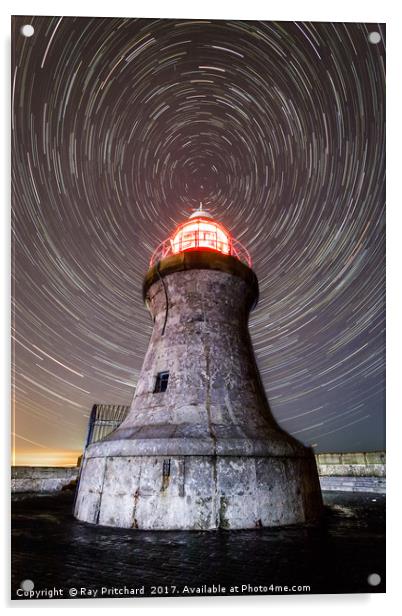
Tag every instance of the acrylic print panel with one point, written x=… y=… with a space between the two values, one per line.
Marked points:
x=233 y=387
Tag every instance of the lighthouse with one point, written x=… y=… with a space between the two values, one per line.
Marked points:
x=199 y=448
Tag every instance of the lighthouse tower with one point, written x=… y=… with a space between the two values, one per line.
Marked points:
x=199 y=448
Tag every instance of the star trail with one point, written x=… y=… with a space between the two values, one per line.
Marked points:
x=120 y=127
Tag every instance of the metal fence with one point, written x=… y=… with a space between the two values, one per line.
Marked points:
x=103 y=420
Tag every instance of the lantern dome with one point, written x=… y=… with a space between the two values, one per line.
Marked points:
x=200 y=212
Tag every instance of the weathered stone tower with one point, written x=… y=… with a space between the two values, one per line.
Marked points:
x=199 y=448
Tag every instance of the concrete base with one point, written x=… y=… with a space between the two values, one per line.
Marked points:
x=198 y=492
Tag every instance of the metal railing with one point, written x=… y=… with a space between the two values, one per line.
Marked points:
x=104 y=419
x=166 y=249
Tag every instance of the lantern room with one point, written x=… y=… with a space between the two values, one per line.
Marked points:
x=201 y=232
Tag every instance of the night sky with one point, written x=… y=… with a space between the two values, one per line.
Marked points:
x=119 y=128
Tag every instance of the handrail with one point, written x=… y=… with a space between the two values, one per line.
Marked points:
x=165 y=249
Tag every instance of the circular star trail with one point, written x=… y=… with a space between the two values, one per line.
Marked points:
x=120 y=127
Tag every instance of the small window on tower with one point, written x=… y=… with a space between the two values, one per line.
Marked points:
x=161 y=382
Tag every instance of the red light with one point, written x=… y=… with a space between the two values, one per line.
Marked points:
x=201 y=233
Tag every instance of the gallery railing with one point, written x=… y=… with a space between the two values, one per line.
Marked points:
x=236 y=249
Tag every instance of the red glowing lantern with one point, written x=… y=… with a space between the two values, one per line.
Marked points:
x=201 y=232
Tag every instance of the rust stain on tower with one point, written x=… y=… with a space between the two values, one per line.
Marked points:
x=199 y=448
